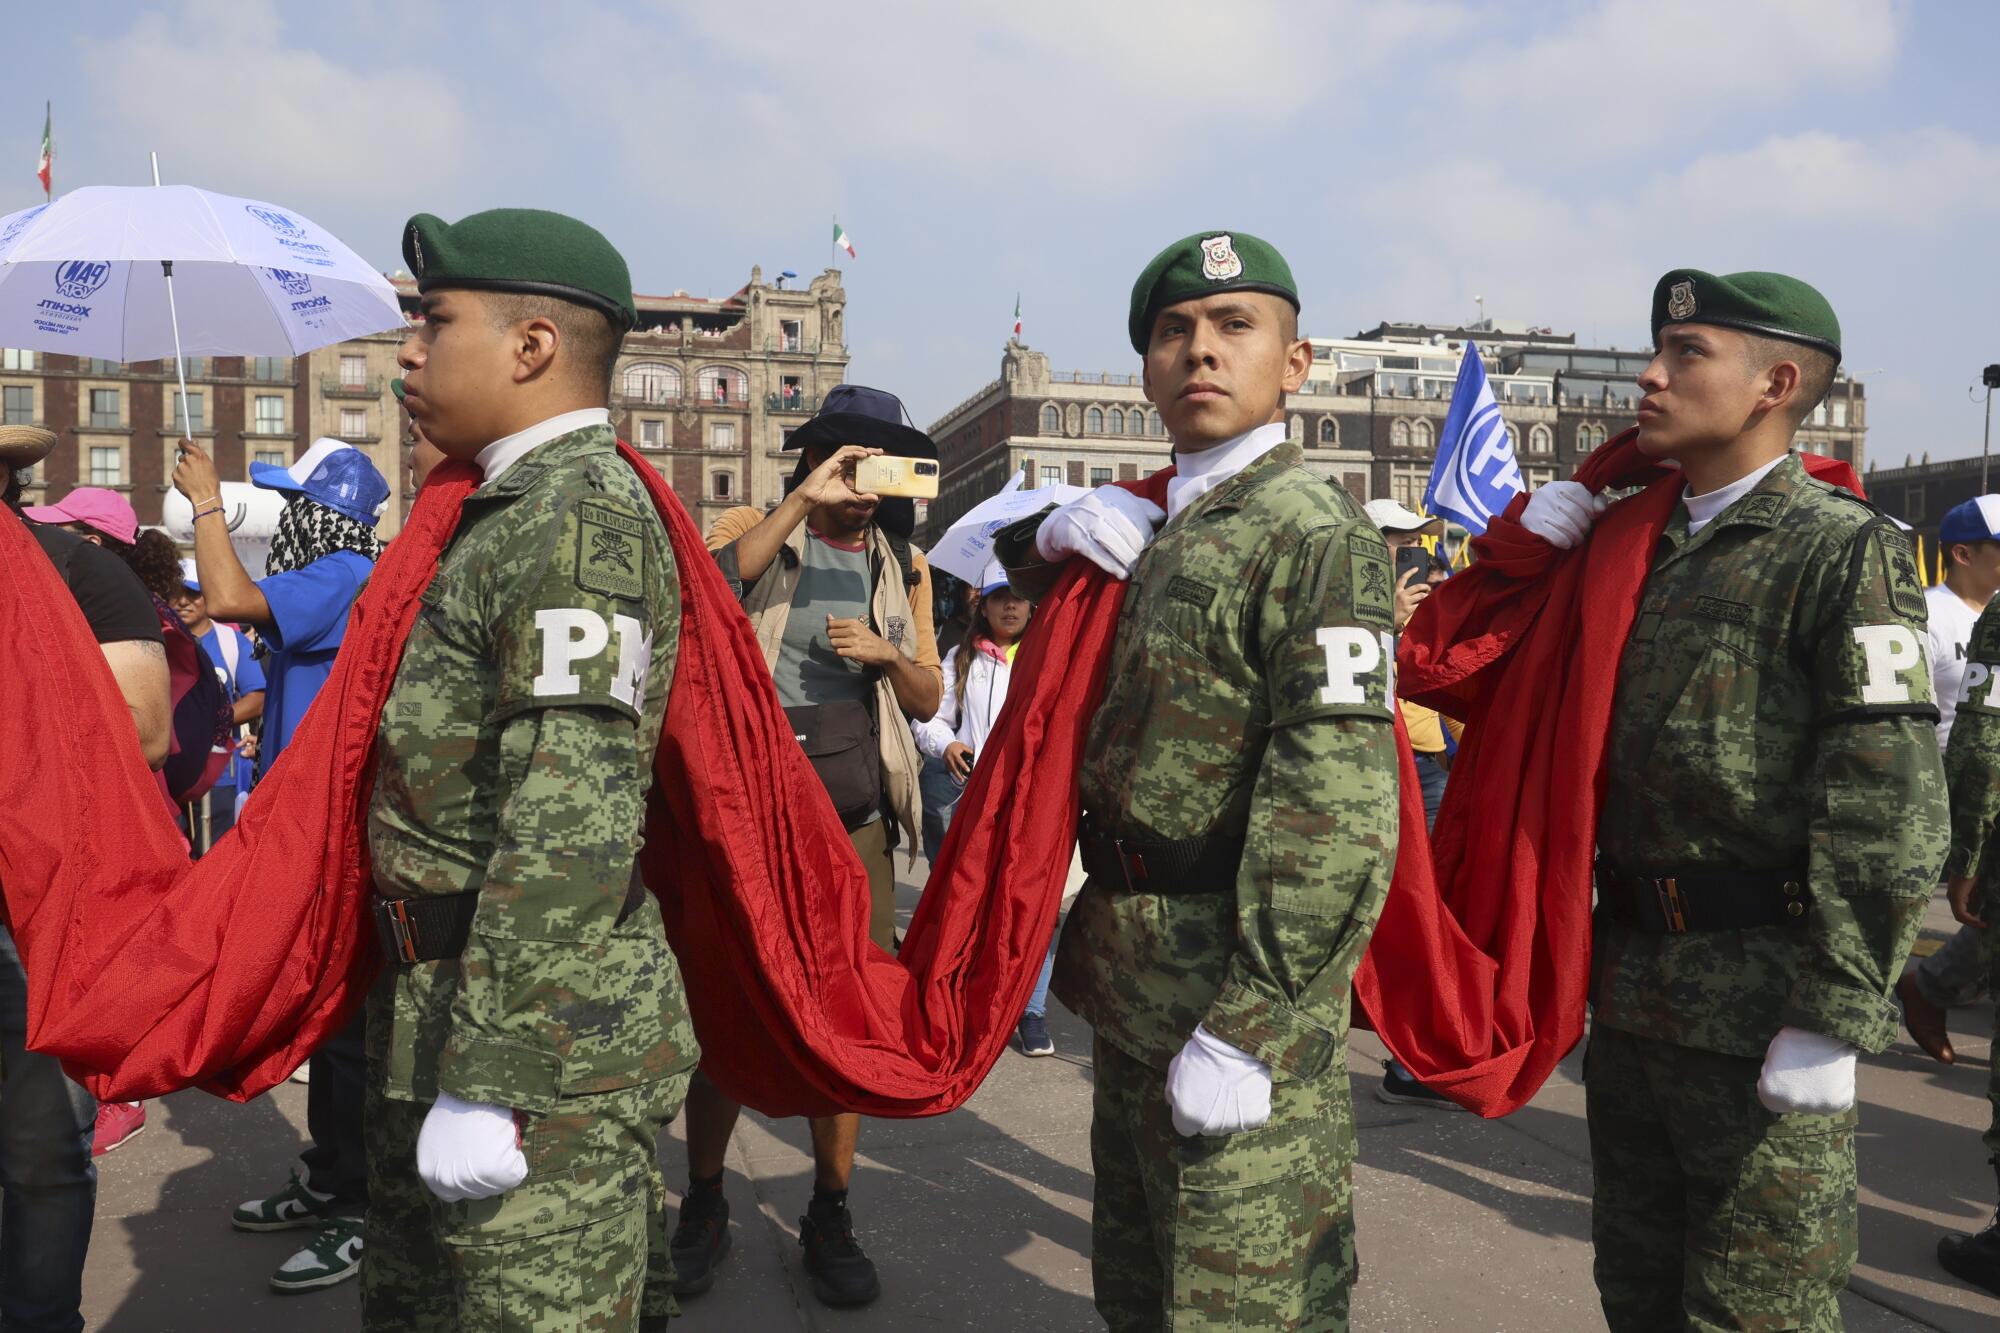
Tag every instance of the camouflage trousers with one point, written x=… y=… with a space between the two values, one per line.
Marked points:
x=566 y=1251
x=1709 y=1211
x=1241 y=1231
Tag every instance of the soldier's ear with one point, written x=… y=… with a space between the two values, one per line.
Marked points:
x=536 y=342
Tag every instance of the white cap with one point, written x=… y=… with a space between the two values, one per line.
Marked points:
x=1389 y=516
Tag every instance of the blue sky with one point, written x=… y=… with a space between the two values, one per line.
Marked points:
x=1552 y=157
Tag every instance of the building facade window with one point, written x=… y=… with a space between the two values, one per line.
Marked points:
x=1407 y=482
x=107 y=465
x=1100 y=476
x=791 y=336
x=1093 y=421
x=274 y=457
x=1051 y=420
x=353 y=423
x=269 y=368
x=652 y=382
x=1539 y=440
x=270 y=418
x=721 y=485
x=1913 y=504
x=723 y=386
x=1116 y=423
x=722 y=435
x=16 y=358
x=353 y=372
x=1420 y=435
x=17 y=405
x=1051 y=476
x=197 y=417
x=1840 y=411
x=1329 y=431
x=1295 y=430
x=652 y=434
x=104 y=408
x=1153 y=425
x=1399 y=436
x=194 y=367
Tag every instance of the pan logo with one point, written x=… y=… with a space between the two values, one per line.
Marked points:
x=298 y=284
x=79 y=279
x=276 y=221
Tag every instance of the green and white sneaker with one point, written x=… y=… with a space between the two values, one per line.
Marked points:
x=333 y=1255
x=293 y=1206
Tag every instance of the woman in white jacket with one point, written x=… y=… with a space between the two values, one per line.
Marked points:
x=975 y=689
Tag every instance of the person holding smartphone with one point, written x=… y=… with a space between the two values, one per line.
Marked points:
x=975 y=690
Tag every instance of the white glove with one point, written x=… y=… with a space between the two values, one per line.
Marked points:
x=1108 y=527
x=1806 y=1072
x=1214 y=1088
x=469 y=1150
x=1561 y=512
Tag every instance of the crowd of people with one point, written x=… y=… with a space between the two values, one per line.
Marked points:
x=1774 y=816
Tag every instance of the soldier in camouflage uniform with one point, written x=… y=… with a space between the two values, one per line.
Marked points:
x=529 y=1036
x=1239 y=786
x=1972 y=766
x=1772 y=825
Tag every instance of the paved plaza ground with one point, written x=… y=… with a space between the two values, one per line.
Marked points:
x=981 y=1219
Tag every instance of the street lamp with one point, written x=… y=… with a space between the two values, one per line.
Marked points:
x=1990 y=377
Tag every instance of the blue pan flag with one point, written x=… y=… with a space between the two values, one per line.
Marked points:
x=1476 y=473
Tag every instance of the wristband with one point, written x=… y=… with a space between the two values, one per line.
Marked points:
x=200 y=511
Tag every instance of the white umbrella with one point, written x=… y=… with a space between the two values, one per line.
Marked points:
x=135 y=273
x=968 y=544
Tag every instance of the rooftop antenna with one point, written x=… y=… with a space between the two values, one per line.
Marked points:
x=1482 y=308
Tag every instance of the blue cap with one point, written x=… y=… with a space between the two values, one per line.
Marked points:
x=335 y=474
x=1977 y=520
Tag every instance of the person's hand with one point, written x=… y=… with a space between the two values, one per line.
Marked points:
x=1959 y=893
x=853 y=640
x=247 y=747
x=1213 y=1088
x=1805 y=1072
x=1561 y=512
x=958 y=760
x=832 y=482
x=1408 y=594
x=195 y=475
x=1108 y=527
x=469 y=1150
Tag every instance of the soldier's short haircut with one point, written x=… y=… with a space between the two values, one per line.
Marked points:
x=589 y=340
x=1816 y=370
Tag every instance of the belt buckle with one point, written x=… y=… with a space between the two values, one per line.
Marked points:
x=402 y=931
x=1128 y=862
x=1671 y=908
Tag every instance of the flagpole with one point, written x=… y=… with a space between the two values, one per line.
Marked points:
x=48 y=133
x=174 y=316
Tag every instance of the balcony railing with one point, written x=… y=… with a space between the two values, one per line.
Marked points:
x=339 y=386
x=790 y=402
x=650 y=397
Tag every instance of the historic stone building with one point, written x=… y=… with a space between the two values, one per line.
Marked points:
x=706 y=389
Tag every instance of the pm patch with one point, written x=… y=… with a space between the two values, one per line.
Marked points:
x=1371 y=590
x=1183 y=589
x=610 y=552
x=1899 y=569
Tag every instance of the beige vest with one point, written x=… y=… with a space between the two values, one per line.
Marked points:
x=769 y=606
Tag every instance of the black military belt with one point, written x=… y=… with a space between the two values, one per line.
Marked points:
x=1184 y=866
x=1674 y=904
x=427 y=926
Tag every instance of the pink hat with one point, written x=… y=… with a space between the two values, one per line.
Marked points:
x=106 y=511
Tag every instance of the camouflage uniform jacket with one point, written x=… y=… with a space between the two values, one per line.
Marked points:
x=515 y=754
x=1972 y=758
x=1774 y=710
x=1248 y=696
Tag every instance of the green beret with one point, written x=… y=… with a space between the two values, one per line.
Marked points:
x=1202 y=265
x=1770 y=305
x=521 y=250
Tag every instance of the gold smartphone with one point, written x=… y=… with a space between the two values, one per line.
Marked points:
x=916 y=478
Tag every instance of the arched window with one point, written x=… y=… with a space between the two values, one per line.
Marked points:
x=1420 y=435
x=1051 y=419
x=721 y=386
x=1117 y=422
x=1539 y=440
x=1153 y=425
x=1399 y=434
x=1329 y=431
x=1093 y=421
x=652 y=382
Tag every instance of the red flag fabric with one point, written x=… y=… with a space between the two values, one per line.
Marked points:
x=1478 y=971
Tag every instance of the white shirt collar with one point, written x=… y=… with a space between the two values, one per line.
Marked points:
x=1196 y=474
x=503 y=453
x=1704 y=508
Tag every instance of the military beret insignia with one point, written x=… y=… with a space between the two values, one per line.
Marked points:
x=414 y=243
x=1680 y=301
x=1219 y=262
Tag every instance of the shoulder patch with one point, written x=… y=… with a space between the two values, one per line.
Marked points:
x=1985 y=644
x=610 y=551
x=1370 y=583
x=1762 y=508
x=1899 y=568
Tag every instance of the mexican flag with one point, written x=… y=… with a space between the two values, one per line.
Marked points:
x=841 y=240
x=1017 y=314
x=46 y=168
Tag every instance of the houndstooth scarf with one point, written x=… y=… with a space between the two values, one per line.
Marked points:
x=308 y=530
